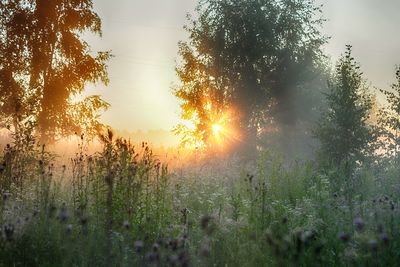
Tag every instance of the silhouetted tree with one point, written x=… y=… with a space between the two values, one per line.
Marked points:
x=44 y=64
x=257 y=58
x=343 y=130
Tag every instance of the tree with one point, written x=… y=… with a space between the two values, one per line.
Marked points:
x=44 y=64
x=250 y=62
x=389 y=119
x=343 y=130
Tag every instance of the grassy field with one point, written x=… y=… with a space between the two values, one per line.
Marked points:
x=123 y=207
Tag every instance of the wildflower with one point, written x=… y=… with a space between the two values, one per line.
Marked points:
x=6 y=196
x=384 y=238
x=9 y=232
x=173 y=244
x=207 y=225
x=138 y=245
x=184 y=258
x=83 y=220
x=126 y=225
x=52 y=210
x=156 y=247
x=152 y=257
x=35 y=213
x=307 y=236
x=63 y=216
x=185 y=213
x=205 y=220
x=359 y=224
x=68 y=229
x=173 y=259
x=344 y=237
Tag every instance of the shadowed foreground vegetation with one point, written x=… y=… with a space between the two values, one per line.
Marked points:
x=122 y=207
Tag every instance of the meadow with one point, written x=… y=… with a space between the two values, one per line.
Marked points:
x=122 y=206
x=286 y=157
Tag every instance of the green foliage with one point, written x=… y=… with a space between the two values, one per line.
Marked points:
x=343 y=130
x=390 y=119
x=263 y=59
x=44 y=64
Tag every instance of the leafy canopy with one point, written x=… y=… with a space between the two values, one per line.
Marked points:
x=45 y=64
x=254 y=60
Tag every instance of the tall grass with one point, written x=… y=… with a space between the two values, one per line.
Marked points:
x=123 y=207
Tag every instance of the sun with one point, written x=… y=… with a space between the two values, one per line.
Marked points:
x=217 y=129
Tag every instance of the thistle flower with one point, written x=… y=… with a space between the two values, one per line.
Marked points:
x=35 y=213
x=156 y=247
x=6 y=196
x=359 y=224
x=63 y=215
x=184 y=258
x=126 y=225
x=152 y=257
x=205 y=220
x=9 y=232
x=173 y=244
x=138 y=245
x=344 y=237
x=68 y=229
x=384 y=238
x=83 y=220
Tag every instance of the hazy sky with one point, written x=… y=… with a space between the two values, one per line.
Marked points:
x=143 y=36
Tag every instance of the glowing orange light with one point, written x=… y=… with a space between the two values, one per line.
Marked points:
x=217 y=129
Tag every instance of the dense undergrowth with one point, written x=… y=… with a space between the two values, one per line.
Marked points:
x=123 y=207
